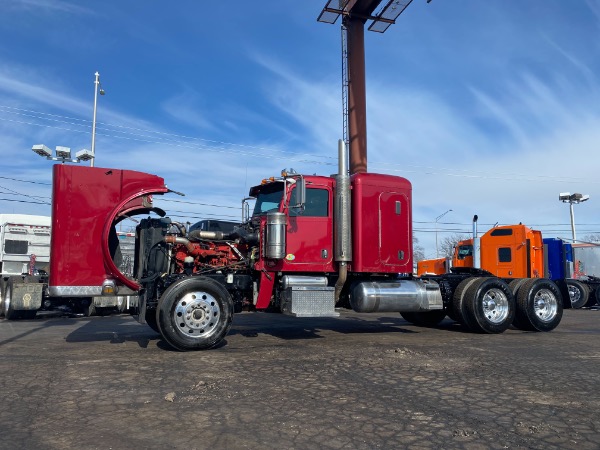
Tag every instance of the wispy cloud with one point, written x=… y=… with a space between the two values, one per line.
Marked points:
x=49 y=6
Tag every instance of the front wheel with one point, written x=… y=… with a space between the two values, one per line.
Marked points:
x=490 y=305
x=579 y=293
x=539 y=305
x=195 y=313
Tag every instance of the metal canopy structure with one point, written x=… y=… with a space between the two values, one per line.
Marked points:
x=380 y=21
x=355 y=13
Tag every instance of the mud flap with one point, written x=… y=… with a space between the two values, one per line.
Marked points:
x=27 y=296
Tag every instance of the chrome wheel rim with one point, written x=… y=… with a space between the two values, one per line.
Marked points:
x=545 y=305
x=574 y=294
x=495 y=306
x=197 y=314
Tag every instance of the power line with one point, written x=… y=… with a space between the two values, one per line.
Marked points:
x=23 y=201
x=10 y=191
x=26 y=181
x=182 y=144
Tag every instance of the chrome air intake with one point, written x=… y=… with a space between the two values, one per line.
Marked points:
x=275 y=235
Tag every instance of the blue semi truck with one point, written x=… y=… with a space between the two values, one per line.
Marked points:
x=578 y=265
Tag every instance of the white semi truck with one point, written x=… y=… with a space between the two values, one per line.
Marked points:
x=24 y=262
x=24 y=259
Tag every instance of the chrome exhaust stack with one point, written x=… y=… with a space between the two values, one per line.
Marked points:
x=342 y=218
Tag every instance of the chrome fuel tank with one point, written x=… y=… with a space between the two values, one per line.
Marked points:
x=395 y=296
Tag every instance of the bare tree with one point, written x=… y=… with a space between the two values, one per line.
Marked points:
x=593 y=238
x=449 y=242
x=418 y=250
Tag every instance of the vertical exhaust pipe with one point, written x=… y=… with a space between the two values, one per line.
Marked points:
x=476 y=246
x=342 y=218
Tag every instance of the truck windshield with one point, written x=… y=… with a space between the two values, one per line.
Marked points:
x=464 y=251
x=268 y=198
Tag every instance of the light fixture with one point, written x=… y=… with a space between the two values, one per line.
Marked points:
x=42 y=150
x=567 y=197
x=63 y=154
x=84 y=155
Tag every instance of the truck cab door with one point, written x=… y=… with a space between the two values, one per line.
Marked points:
x=309 y=236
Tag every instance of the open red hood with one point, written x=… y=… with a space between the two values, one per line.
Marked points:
x=86 y=204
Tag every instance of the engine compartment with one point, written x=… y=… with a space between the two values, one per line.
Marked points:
x=166 y=252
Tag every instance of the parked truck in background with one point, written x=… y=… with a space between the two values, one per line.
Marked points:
x=313 y=244
x=122 y=303
x=24 y=257
x=517 y=252
x=24 y=265
x=582 y=270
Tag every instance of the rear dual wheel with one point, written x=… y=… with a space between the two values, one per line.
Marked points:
x=579 y=293
x=489 y=306
x=7 y=307
x=459 y=310
x=539 y=305
x=2 y=284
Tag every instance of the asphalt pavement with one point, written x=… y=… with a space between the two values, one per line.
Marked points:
x=357 y=382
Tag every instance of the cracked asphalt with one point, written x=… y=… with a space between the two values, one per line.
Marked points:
x=358 y=382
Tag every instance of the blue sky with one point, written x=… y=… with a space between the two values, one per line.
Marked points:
x=489 y=108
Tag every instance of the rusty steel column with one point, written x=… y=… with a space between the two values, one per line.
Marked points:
x=357 y=99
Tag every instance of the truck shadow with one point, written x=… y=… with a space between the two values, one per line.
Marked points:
x=31 y=330
x=113 y=329
x=252 y=325
x=121 y=329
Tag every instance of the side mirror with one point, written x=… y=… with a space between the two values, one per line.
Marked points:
x=300 y=193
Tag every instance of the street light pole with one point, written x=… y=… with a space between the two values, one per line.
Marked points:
x=572 y=222
x=97 y=89
x=437 y=253
x=567 y=197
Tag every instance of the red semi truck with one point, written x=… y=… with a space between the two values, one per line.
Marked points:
x=313 y=244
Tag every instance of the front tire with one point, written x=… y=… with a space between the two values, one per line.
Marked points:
x=579 y=293
x=539 y=306
x=195 y=313
x=490 y=305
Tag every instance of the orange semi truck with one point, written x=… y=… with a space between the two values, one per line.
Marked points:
x=515 y=252
x=509 y=251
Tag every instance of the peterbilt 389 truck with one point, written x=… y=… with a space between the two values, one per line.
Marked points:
x=312 y=246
